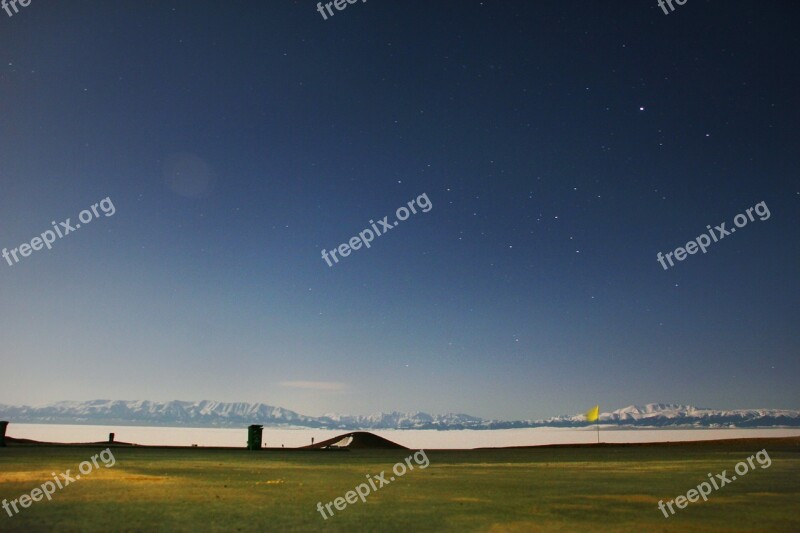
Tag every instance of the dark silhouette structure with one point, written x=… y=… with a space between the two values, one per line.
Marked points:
x=254 y=437
x=3 y=426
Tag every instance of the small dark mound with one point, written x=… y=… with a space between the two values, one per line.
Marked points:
x=13 y=441
x=358 y=440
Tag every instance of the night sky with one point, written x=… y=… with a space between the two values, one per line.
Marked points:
x=562 y=145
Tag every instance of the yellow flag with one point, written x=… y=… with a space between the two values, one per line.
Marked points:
x=593 y=413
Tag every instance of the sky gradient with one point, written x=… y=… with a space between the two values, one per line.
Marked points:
x=562 y=145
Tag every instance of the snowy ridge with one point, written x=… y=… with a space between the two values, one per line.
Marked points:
x=663 y=415
x=220 y=414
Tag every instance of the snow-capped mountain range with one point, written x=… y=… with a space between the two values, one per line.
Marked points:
x=219 y=414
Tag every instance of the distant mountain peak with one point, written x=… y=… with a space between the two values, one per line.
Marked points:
x=209 y=413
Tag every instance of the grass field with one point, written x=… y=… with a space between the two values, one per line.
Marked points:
x=535 y=489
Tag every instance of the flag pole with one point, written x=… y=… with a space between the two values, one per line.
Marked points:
x=593 y=415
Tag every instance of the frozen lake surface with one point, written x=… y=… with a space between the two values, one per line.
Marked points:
x=430 y=439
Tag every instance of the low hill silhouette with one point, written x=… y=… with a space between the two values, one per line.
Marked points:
x=358 y=440
x=12 y=441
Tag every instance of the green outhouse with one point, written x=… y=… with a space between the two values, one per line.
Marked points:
x=254 y=437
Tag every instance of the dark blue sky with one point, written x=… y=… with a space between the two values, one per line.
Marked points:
x=561 y=144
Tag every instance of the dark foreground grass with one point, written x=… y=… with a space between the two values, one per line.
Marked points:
x=538 y=489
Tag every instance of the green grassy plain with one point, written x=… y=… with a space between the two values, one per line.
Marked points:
x=535 y=489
